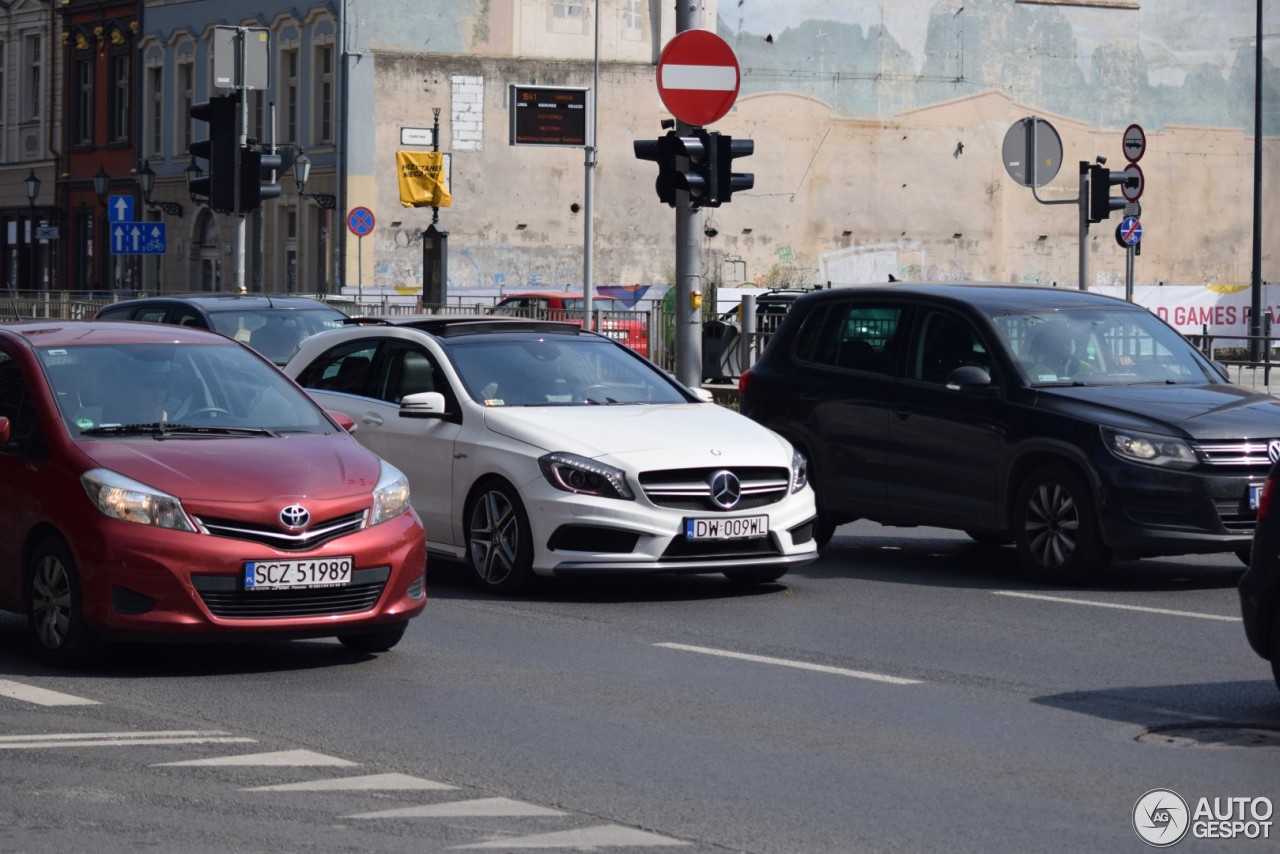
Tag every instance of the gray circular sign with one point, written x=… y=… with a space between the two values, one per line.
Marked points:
x=1135 y=143
x=1032 y=152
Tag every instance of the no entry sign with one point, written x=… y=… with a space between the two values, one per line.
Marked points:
x=698 y=77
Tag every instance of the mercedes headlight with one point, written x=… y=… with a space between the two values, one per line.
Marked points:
x=129 y=501
x=799 y=471
x=1148 y=448
x=582 y=476
x=390 y=496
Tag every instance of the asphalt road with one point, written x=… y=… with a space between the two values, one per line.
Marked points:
x=907 y=692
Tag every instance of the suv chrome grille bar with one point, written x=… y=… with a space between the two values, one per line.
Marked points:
x=1234 y=453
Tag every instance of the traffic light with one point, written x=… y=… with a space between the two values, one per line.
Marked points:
x=1101 y=203
x=697 y=174
x=660 y=151
x=258 y=175
x=729 y=182
x=218 y=186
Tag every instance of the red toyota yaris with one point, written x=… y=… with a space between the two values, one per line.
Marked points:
x=163 y=482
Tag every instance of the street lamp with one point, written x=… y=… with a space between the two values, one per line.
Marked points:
x=100 y=182
x=33 y=190
x=301 y=172
x=193 y=171
x=147 y=183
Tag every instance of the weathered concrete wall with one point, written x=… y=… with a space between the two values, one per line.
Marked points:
x=878 y=143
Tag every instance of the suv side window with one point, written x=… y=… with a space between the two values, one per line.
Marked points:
x=946 y=342
x=408 y=369
x=115 y=313
x=856 y=336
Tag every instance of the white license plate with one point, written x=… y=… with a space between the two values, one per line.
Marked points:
x=740 y=528
x=297 y=574
x=1255 y=492
x=615 y=333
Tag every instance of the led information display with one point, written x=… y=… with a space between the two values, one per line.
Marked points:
x=542 y=115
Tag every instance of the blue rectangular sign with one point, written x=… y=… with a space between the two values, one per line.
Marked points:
x=138 y=238
x=120 y=208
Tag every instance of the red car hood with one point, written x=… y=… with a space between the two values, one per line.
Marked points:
x=243 y=469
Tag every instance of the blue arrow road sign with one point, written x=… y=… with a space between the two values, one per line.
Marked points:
x=139 y=238
x=120 y=208
x=1131 y=231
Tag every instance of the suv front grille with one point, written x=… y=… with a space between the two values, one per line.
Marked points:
x=320 y=532
x=1239 y=452
x=690 y=489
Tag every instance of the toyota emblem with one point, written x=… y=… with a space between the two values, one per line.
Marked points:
x=726 y=489
x=1273 y=450
x=295 y=516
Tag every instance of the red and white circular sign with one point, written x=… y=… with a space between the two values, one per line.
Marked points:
x=698 y=77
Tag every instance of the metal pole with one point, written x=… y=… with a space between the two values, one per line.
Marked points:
x=1128 y=272
x=360 y=270
x=1084 y=225
x=1255 y=316
x=589 y=184
x=241 y=61
x=688 y=318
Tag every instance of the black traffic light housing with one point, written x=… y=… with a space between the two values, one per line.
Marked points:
x=729 y=182
x=220 y=149
x=1101 y=202
x=699 y=162
x=259 y=174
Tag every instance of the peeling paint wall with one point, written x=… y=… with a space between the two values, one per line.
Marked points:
x=878 y=131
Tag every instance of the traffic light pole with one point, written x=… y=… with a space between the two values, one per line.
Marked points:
x=1084 y=225
x=241 y=138
x=688 y=309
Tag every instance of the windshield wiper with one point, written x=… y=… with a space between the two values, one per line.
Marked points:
x=163 y=429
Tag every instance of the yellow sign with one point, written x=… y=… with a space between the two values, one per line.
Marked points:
x=423 y=182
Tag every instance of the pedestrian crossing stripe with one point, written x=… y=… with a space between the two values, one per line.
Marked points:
x=490 y=807
x=367 y=783
x=587 y=839
x=280 y=758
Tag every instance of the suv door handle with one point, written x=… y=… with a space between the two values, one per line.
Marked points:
x=372 y=418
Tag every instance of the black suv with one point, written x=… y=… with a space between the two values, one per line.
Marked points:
x=1077 y=426
x=1260 y=585
x=274 y=326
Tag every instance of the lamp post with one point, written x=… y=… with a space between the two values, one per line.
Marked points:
x=101 y=181
x=147 y=183
x=33 y=190
x=301 y=172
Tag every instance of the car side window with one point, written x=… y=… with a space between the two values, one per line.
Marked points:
x=345 y=368
x=15 y=404
x=946 y=342
x=152 y=314
x=115 y=314
x=186 y=317
x=408 y=369
x=855 y=336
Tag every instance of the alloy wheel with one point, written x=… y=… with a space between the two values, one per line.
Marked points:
x=51 y=602
x=1052 y=524
x=495 y=537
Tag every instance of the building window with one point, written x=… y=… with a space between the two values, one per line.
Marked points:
x=118 y=107
x=186 y=97
x=324 y=93
x=4 y=102
x=289 y=61
x=633 y=18
x=82 y=119
x=568 y=16
x=85 y=278
x=33 y=91
x=155 y=119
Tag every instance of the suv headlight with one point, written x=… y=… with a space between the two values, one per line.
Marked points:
x=390 y=496
x=582 y=476
x=130 y=501
x=799 y=471
x=1148 y=448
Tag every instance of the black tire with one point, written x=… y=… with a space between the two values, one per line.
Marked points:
x=989 y=538
x=756 y=576
x=55 y=608
x=499 y=542
x=1275 y=650
x=824 y=528
x=379 y=641
x=1055 y=527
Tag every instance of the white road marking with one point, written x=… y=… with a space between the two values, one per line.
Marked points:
x=799 y=665
x=588 y=838
x=371 y=782
x=40 y=696
x=1115 y=605
x=279 y=758
x=491 y=807
x=116 y=739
